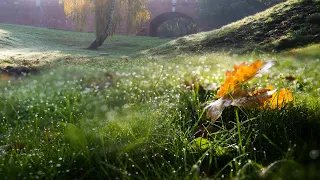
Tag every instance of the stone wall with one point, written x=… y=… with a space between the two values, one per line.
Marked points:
x=44 y=13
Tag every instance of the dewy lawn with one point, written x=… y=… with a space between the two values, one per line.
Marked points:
x=117 y=116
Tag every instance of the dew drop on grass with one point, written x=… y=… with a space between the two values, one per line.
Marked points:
x=314 y=154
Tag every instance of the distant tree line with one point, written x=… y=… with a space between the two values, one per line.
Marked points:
x=221 y=12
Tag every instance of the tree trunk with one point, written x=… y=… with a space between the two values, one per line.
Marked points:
x=98 y=42
x=94 y=45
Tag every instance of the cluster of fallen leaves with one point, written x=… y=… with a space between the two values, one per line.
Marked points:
x=232 y=93
x=16 y=72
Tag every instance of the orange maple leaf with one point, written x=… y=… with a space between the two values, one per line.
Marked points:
x=279 y=99
x=248 y=98
x=239 y=76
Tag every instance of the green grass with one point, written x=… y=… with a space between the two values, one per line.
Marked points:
x=30 y=43
x=287 y=25
x=59 y=126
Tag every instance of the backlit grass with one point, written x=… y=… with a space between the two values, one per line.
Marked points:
x=284 y=26
x=62 y=125
x=28 y=44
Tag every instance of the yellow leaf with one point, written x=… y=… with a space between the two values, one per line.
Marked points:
x=279 y=99
x=239 y=76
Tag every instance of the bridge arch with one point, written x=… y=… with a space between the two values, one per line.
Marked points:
x=160 y=19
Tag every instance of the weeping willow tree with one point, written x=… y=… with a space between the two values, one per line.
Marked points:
x=108 y=15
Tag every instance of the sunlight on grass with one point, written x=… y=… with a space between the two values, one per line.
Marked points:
x=107 y=117
x=147 y=120
x=311 y=51
x=40 y=43
x=274 y=29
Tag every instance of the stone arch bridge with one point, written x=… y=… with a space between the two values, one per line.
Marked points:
x=164 y=10
x=50 y=14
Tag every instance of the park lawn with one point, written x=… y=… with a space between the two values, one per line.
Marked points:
x=29 y=44
x=64 y=124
